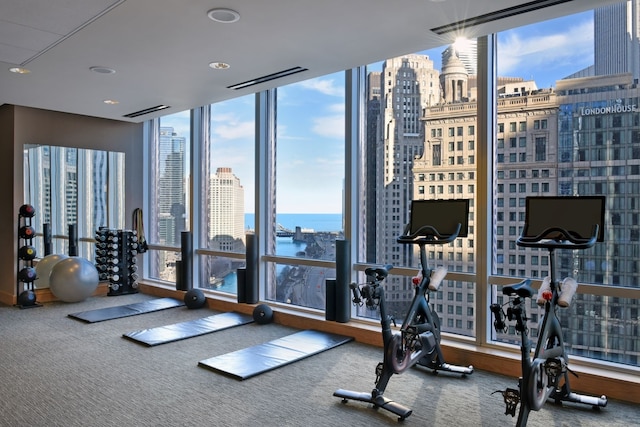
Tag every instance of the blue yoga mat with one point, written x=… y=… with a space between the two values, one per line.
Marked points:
x=117 y=312
x=188 y=329
x=252 y=361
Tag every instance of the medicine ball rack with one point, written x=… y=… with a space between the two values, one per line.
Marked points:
x=116 y=260
x=25 y=289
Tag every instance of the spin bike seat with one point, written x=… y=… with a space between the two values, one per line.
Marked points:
x=522 y=289
x=380 y=272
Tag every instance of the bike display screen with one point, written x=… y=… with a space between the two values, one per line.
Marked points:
x=578 y=215
x=443 y=215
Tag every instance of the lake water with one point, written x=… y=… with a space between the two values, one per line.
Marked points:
x=285 y=246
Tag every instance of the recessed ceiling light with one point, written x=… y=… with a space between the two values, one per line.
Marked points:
x=19 y=70
x=219 y=65
x=111 y=101
x=226 y=16
x=102 y=70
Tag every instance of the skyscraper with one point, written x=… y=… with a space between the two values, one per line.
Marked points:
x=226 y=229
x=617 y=39
x=171 y=198
x=408 y=84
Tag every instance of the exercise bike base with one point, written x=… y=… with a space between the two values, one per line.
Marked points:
x=379 y=402
x=445 y=367
x=595 y=402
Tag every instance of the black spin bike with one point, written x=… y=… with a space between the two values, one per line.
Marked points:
x=545 y=376
x=418 y=341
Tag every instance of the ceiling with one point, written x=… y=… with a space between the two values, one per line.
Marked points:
x=160 y=50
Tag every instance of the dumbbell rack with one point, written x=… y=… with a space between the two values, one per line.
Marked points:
x=116 y=260
x=25 y=289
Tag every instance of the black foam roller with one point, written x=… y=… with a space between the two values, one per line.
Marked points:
x=330 y=299
x=179 y=285
x=251 y=280
x=48 y=244
x=241 y=276
x=343 y=276
x=73 y=240
x=186 y=246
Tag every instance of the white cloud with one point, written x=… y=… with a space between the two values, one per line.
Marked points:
x=572 y=46
x=234 y=130
x=324 y=86
x=329 y=126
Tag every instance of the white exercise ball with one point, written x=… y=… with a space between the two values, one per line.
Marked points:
x=73 y=279
x=43 y=269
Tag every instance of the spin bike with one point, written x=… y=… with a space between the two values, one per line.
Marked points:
x=543 y=374
x=418 y=341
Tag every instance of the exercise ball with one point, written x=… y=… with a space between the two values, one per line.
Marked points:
x=27 y=298
x=194 y=298
x=262 y=314
x=73 y=279
x=43 y=269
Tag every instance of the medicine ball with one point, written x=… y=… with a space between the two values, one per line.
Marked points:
x=27 y=298
x=262 y=314
x=27 y=275
x=27 y=211
x=27 y=253
x=194 y=298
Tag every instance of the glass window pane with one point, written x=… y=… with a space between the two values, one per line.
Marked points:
x=309 y=187
x=581 y=97
x=229 y=190
x=168 y=195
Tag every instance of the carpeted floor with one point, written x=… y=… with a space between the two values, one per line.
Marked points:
x=57 y=371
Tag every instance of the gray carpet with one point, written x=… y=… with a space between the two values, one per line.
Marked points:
x=57 y=371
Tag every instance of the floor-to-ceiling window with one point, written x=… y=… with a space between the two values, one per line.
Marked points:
x=309 y=186
x=169 y=202
x=229 y=193
x=568 y=126
x=420 y=143
x=559 y=130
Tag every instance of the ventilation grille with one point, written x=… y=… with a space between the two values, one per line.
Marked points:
x=147 y=111
x=499 y=14
x=267 y=78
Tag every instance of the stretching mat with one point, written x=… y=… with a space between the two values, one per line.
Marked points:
x=252 y=361
x=188 y=329
x=108 y=313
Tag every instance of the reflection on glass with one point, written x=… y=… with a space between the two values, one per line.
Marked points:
x=74 y=186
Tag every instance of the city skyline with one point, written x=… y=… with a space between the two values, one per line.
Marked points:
x=544 y=52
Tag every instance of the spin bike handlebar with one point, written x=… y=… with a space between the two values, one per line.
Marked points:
x=428 y=235
x=557 y=237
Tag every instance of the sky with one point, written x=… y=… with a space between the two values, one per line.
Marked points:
x=310 y=133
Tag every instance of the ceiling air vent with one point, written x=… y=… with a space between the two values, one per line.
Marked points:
x=147 y=111
x=499 y=14
x=267 y=78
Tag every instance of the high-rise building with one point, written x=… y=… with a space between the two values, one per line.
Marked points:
x=226 y=228
x=371 y=168
x=408 y=84
x=171 y=199
x=617 y=39
x=580 y=139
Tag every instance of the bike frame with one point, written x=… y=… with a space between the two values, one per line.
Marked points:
x=542 y=373
x=418 y=340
